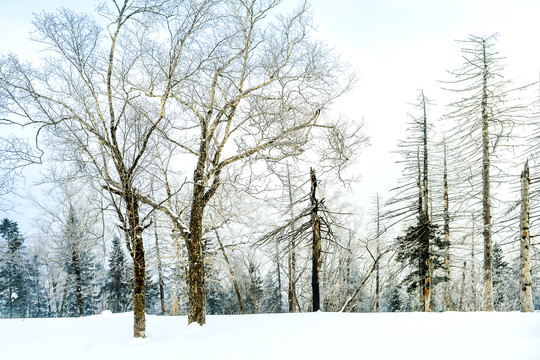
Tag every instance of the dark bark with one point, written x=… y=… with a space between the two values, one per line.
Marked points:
x=134 y=233
x=196 y=286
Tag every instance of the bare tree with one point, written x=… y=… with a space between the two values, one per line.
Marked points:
x=485 y=113
x=260 y=93
x=418 y=248
x=85 y=97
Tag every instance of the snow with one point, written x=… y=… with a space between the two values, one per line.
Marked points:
x=450 y=335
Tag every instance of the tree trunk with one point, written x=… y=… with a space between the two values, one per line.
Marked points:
x=160 y=271
x=316 y=258
x=447 y=290
x=293 y=302
x=75 y=260
x=526 y=281
x=426 y=235
x=486 y=196
x=473 y=268
x=196 y=286
x=377 y=270
x=139 y=265
x=462 y=292
x=278 y=269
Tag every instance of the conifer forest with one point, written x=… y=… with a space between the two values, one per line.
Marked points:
x=190 y=158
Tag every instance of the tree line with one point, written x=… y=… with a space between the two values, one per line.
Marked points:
x=178 y=136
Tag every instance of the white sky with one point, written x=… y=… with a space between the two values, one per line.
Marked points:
x=396 y=46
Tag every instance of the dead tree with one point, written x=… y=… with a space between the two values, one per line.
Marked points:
x=312 y=226
x=526 y=279
x=316 y=245
x=419 y=248
x=484 y=116
x=446 y=216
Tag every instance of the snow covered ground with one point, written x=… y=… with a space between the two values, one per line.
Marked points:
x=396 y=336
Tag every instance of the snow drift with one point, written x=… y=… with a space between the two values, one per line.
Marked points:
x=311 y=336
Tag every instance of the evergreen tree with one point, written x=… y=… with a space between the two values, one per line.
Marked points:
x=152 y=296
x=505 y=286
x=82 y=287
x=119 y=280
x=395 y=304
x=14 y=287
x=215 y=294
x=254 y=293
x=412 y=250
x=271 y=302
x=39 y=301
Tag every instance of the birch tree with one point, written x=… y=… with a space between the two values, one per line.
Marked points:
x=260 y=93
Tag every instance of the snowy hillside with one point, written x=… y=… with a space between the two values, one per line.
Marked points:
x=278 y=336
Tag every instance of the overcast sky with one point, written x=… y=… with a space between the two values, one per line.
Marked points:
x=396 y=46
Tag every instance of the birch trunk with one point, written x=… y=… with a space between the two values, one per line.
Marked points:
x=526 y=281
x=160 y=271
x=293 y=302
